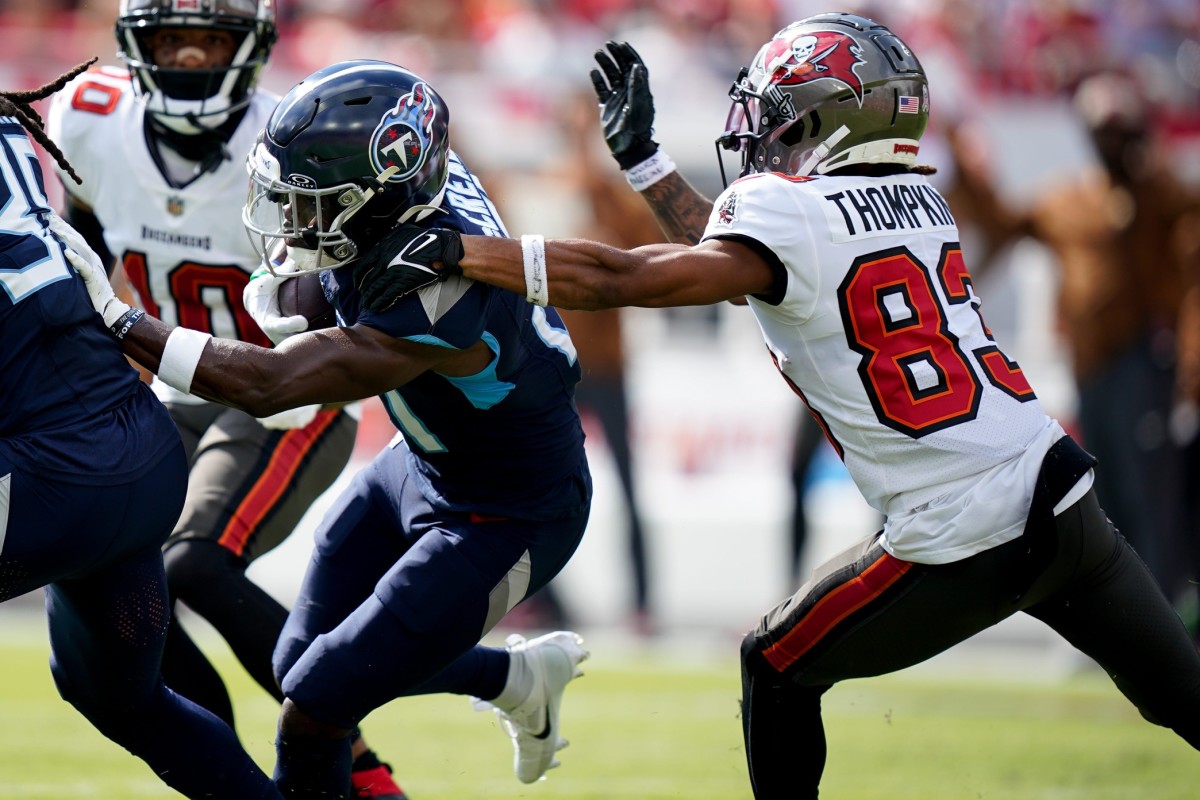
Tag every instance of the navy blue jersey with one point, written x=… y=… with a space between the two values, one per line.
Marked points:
x=508 y=440
x=65 y=387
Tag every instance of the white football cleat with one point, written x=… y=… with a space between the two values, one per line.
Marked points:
x=553 y=659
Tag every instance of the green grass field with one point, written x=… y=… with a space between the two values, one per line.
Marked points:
x=647 y=726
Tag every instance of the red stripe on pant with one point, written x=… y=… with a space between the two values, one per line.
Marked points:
x=834 y=607
x=285 y=462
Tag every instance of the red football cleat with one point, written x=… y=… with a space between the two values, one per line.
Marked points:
x=376 y=783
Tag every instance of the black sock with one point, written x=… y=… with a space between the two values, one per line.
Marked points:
x=312 y=769
x=367 y=760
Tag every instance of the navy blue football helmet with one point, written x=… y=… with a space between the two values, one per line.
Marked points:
x=352 y=151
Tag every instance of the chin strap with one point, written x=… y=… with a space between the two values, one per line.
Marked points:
x=822 y=150
x=381 y=182
x=423 y=211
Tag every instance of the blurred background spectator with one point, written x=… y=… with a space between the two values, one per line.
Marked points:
x=614 y=214
x=1006 y=136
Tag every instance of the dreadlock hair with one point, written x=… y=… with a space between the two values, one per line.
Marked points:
x=19 y=105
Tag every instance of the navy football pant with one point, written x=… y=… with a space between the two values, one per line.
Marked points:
x=398 y=595
x=98 y=549
x=867 y=613
x=247 y=489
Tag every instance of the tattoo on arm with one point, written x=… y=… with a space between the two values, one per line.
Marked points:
x=681 y=211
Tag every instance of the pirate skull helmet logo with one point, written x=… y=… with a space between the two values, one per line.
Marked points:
x=823 y=55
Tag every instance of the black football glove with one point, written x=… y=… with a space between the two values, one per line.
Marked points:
x=626 y=105
x=403 y=262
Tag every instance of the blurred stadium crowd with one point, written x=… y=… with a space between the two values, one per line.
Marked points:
x=1003 y=75
x=511 y=62
x=513 y=70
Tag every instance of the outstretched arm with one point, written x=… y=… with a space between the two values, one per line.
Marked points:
x=334 y=365
x=569 y=273
x=586 y=275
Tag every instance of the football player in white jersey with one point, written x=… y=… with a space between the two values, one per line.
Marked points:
x=851 y=263
x=161 y=147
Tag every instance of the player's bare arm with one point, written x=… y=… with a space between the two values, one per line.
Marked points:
x=681 y=211
x=590 y=275
x=332 y=365
x=569 y=273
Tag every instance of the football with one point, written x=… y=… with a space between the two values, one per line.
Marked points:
x=303 y=295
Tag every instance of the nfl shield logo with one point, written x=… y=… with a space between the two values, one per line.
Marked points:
x=175 y=205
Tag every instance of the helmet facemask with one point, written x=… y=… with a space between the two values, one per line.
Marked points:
x=275 y=214
x=753 y=116
x=298 y=228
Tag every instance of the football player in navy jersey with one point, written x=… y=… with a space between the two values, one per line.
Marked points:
x=850 y=261
x=92 y=478
x=161 y=145
x=484 y=494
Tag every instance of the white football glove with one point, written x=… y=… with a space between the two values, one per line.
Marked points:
x=88 y=265
x=261 y=298
x=290 y=419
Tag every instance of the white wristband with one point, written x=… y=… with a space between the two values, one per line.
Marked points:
x=180 y=358
x=644 y=175
x=533 y=256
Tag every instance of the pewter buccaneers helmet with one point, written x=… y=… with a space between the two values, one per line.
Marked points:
x=191 y=101
x=350 y=152
x=826 y=92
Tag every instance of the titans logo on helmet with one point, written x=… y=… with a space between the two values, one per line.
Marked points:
x=403 y=137
x=789 y=61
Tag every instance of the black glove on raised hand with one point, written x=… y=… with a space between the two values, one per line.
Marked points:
x=403 y=262
x=626 y=105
